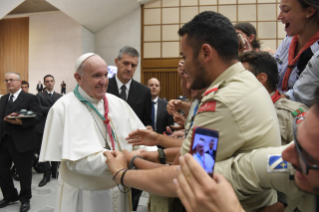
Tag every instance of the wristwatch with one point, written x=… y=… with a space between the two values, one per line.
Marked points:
x=284 y=202
x=131 y=165
x=161 y=156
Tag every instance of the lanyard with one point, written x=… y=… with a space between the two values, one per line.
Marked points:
x=194 y=113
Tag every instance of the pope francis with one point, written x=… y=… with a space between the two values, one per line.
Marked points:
x=79 y=128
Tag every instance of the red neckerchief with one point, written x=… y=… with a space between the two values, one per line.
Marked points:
x=107 y=121
x=291 y=60
x=275 y=97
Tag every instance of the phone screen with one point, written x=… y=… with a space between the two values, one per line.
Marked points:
x=204 y=148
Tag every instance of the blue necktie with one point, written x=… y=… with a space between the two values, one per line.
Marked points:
x=50 y=95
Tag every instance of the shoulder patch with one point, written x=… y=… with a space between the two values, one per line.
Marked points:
x=208 y=107
x=298 y=112
x=210 y=91
x=276 y=164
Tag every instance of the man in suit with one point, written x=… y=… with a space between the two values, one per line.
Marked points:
x=18 y=140
x=39 y=87
x=46 y=101
x=160 y=117
x=211 y=151
x=137 y=95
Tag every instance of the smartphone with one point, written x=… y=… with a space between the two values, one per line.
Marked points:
x=241 y=41
x=204 y=148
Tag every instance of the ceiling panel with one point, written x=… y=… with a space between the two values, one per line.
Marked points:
x=33 y=6
x=7 y=6
x=95 y=14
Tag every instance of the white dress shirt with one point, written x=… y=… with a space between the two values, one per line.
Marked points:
x=15 y=95
x=119 y=85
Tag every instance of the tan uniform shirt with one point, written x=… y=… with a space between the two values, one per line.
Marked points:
x=243 y=115
x=284 y=108
x=255 y=175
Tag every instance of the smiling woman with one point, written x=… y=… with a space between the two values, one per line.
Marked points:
x=301 y=20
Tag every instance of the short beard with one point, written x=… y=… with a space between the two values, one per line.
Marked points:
x=315 y=190
x=201 y=79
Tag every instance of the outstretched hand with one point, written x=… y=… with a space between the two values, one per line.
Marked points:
x=115 y=161
x=173 y=105
x=143 y=137
x=200 y=193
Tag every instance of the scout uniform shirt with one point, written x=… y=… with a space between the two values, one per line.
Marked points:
x=237 y=106
x=257 y=173
x=285 y=109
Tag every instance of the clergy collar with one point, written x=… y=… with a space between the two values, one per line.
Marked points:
x=87 y=97
x=155 y=100
x=16 y=94
x=119 y=84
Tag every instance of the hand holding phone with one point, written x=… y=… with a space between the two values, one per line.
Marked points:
x=204 y=148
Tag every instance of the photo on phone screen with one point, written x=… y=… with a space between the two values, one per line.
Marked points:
x=204 y=148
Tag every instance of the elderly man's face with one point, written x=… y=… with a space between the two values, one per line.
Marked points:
x=126 y=67
x=308 y=139
x=94 y=80
x=200 y=149
x=13 y=83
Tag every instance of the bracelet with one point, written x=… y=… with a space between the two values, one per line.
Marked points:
x=122 y=177
x=131 y=165
x=161 y=156
x=284 y=202
x=117 y=173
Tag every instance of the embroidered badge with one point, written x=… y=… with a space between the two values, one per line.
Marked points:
x=297 y=210
x=209 y=106
x=276 y=164
x=298 y=112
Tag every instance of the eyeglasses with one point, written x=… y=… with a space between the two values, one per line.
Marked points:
x=10 y=80
x=299 y=151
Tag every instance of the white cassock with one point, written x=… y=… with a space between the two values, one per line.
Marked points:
x=75 y=138
x=206 y=161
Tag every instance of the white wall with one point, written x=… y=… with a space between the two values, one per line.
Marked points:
x=124 y=32
x=55 y=43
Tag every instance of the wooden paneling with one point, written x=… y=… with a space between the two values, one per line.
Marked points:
x=14 y=48
x=169 y=79
x=34 y=6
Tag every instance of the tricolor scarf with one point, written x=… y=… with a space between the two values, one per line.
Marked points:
x=105 y=118
x=293 y=60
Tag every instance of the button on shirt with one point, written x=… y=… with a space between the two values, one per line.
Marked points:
x=15 y=95
x=119 y=85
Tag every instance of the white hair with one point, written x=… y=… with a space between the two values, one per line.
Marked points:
x=18 y=75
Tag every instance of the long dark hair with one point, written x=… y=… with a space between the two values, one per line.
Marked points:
x=249 y=30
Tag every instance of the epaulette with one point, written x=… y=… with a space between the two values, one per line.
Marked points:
x=298 y=112
x=210 y=91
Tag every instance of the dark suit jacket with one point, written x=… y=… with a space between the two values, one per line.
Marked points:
x=139 y=98
x=163 y=119
x=213 y=155
x=24 y=136
x=40 y=89
x=46 y=103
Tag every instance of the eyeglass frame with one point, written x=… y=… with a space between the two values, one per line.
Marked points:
x=10 y=80
x=298 y=148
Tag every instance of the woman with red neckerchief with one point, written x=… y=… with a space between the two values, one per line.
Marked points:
x=301 y=19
